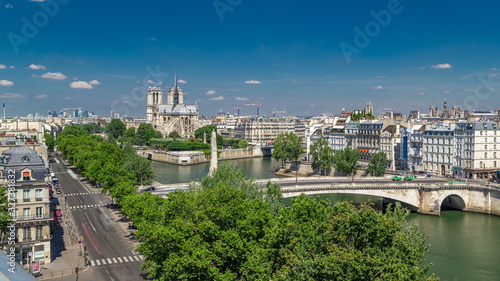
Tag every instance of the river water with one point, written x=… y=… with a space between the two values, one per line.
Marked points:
x=463 y=246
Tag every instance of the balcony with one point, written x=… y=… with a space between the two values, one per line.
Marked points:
x=44 y=216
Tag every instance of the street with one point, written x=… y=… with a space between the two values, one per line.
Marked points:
x=88 y=218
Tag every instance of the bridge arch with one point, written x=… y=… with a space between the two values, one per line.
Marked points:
x=453 y=201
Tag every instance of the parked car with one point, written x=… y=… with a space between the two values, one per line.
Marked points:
x=421 y=172
x=411 y=177
x=147 y=188
x=397 y=178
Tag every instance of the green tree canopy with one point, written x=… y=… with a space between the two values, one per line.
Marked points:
x=4 y=211
x=200 y=132
x=243 y=143
x=346 y=161
x=322 y=155
x=115 y=128
x=144 y=133
x=377 y=164
x=174 y=134
x=49 y=141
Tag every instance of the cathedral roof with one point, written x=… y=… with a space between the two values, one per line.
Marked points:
x=178 y=108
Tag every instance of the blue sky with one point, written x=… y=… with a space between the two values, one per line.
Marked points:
x=287 y=55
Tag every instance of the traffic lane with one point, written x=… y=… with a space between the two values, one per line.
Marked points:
x=333 y=182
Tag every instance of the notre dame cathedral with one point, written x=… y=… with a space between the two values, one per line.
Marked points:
x=174 y=115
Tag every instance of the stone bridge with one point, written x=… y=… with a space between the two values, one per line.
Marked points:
x=422 y=197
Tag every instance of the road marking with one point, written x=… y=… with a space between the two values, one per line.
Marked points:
x=103 y=261
x=136 y=258
x=92 y=263
x=98 y=262
x=90 y=222
x=125 y=259
x=109 y=261
x=141 y=257
x=114 y=260
x=119 y=259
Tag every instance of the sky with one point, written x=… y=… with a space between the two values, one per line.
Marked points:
x=302 y=57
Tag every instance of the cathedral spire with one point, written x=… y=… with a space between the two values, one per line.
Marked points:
x=175 y=79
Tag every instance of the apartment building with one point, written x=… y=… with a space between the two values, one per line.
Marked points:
x=438 y=150
x=266 y=130
x=481 y=155
x=23 y=170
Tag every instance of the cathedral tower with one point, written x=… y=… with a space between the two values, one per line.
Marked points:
x=175 y=95
x=155 y=97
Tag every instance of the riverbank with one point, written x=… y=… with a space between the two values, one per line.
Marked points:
x=185 y=158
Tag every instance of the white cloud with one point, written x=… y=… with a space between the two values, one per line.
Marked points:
x=9 y=6
x=152 y=39
x=36 y=66
x=217 y=98
x=42 y=96
x=253 y=82
x=241 y=98
x=6 y=83
x=11 y=96
x=442 y=66
x=180 y=81
x=378 y=87
x=11 y=66
x=53 y=75
x=447 y=92
x=421 y=93
x=94 y=83
x=234 y=90
x=211 y=92
x=3 y=66
x=81 y=85
x=149 y=82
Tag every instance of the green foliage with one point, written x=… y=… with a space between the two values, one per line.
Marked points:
x=174 y=134
x=144 y=134
x=138 y=166
x=49 y=141
x=200 y=132
x=287 y=146
x=346 y=161
x=377 y=164
x=92 y=128
x=322 y=155
x=4 y=210
x=362 y=115
x=243 y=143
x=187 y=146
x=116 y=128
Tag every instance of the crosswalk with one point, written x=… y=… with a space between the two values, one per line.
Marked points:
x=86 y=206
x=83 y=193
x=117 y=260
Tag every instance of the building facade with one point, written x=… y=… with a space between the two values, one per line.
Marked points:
x=27 y=176
x=175 y=115
x=265 y=131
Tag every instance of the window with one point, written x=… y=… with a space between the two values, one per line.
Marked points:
x=26 y=176
x=485 y=155
x=26 y=195
x=495 y=164
x=14 y=214
x=38 y=194
x=13 y=196
x=39 y=212
x=39 y=232
x=485 y=139
x=26 y=233
x=494 y=154
x=26 y=213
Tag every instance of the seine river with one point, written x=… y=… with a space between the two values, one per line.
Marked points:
x=463 y=246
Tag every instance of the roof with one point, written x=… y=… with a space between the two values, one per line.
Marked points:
x=12 y=273
x=178 y=108
x=22 y=156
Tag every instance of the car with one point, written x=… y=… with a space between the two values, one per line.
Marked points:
x=397 y=178
x=58 y=191
x=410 y=177
x=421 y=172
x=147 y=188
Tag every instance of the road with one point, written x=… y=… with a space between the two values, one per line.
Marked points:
x=110 y=251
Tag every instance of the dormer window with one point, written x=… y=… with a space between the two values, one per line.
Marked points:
x=26 y=175
x=25 y=159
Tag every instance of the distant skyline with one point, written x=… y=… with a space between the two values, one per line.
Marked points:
x=296 y=56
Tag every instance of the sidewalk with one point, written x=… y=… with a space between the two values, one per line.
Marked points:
x=66 y=257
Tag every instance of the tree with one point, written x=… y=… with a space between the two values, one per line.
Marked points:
x=279 y=150
x=49 y=141
x=377 y=164
x=115 y=128
x=174 y=135
x=144 y=133
x=205 y=130
x=243 y=143
x=4 y=211
x=294 y=150
x=322 y=155
x=346 y=161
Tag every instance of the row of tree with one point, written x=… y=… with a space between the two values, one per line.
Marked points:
x=288 y=147
x=227 y=227
x=116 y=170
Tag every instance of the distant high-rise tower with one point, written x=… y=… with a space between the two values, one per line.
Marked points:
x=155 y=97
x=369 y=108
